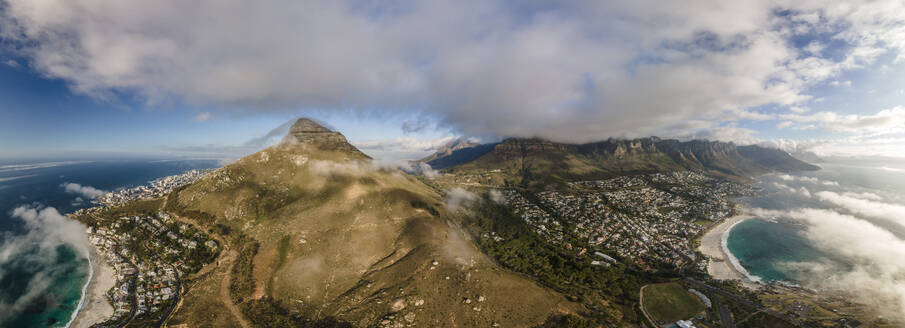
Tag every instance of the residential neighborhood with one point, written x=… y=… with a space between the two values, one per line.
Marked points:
x=155 y=188
x=650 y=220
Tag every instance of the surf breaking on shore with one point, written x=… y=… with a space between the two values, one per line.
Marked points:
x=81 y=304
x=93 y=306
x=723 y=265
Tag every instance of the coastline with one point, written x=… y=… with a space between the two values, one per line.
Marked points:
x=94 y=307
x=723 y=265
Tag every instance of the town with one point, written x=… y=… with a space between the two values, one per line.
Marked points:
x=149 y=256
x=648 y=220
x=156 y=188
x=149 y=252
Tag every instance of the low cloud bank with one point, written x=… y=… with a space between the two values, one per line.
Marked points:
x=870 y=208
x=458 y=198
x=36 y=253
x=422 y=169
x=85 y=191
x=876 y=257
x=863 y=255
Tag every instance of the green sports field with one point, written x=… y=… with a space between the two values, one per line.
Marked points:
x=669 y=302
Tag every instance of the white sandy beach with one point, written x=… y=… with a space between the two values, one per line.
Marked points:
x=720 y=267
x=96 y=308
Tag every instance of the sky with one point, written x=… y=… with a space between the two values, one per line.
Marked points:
x=399 y=78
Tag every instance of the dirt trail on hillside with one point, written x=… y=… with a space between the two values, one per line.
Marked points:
x=224 y=290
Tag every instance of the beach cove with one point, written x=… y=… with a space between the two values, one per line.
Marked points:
x=95 y=307
x=722 y=264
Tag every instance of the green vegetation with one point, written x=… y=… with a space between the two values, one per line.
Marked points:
x=761 y=319
x=568 y=321
x=670 y=302
x=267 y=313
x=143 y=207
x=241 y=285
x=283 y=251
x=522 y=250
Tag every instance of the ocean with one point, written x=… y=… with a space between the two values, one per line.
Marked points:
x=43 y=269
x=841 y=228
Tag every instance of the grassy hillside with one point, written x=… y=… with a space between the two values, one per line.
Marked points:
x=325 y=237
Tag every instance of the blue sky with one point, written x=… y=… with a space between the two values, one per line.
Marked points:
x=42 y=117
x=401 y=78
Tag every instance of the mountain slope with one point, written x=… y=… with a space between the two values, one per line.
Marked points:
x=322 y=234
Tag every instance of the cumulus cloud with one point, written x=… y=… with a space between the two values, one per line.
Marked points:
x=572 y=71
x=887 y=120
x=86 y=191
x=35 y=252
x=457 y=198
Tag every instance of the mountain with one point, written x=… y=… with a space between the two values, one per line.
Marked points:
x=318 y=235
x=457 y=152
x=538 y=161
x=776 y=159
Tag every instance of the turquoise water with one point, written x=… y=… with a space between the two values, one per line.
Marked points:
x=778 y=248
x=41 y=283
x=66 y=276
x=764 y=247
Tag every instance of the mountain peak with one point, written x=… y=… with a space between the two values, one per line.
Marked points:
x=306 y=125
x=306 y=131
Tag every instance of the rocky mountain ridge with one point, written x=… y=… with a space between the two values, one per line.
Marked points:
x=620 y=156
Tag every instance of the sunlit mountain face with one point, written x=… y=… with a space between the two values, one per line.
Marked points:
x=452 y=163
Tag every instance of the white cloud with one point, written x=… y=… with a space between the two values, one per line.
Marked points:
x=863 y=195
x=428 y=171
x=870 y=208
x=573 y=71
x=405 y=144
x=203 y=116
x=837 y=83
x=811 y=180
x=887 y=120
x=457 y=198
x=876 y=258
x=802 y=191
x=45 y=230
x=86 y=191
